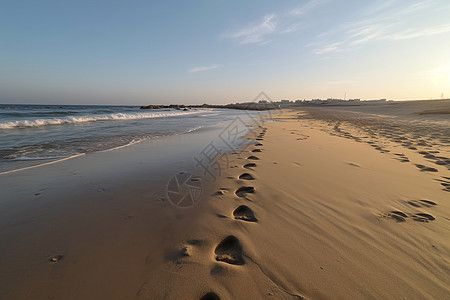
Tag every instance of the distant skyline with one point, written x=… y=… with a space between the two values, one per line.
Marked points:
x=147 y=52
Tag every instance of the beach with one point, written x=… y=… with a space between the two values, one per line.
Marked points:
x=313 y=203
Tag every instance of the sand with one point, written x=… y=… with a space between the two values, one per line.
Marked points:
x=324 y=204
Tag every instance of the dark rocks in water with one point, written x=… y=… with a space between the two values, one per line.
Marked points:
x=240 y=106
x=175 y=106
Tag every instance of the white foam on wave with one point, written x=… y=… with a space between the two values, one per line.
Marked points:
x=108 y=117
x=193 y=129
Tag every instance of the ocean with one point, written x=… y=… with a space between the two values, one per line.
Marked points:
x=32 y=135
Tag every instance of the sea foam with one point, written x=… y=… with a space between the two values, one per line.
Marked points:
x=84 y=119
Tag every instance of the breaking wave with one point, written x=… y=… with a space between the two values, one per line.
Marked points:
x=84 y=119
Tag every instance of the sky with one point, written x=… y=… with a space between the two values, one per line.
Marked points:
x=213 y=51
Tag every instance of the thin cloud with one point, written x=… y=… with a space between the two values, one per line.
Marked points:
x=256 y=33
x=271 y=25
x=202 y=69
x=328 y=49
x=411 y=34
x=306 y=8
x=384 y=22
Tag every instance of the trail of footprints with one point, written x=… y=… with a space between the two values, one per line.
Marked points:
x=230 y=250
x=401 y=216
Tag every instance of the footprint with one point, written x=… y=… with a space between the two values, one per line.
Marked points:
x=397 y=215
x=242 y=191
x=250 y=166
x=230 y=251
x=302 y=137
x=220 y=192
x=401 y=157
x=258 y=144
x=256 y=150
x=210 y=296
x=246 y=176
x=244 y=213
x=353 y=164
x=423 y=217
x=425 y=168
x=259 y=139
x=421 y=203
x=253 y=157
x=445 y=183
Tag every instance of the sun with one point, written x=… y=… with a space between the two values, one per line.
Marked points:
x=440 y=78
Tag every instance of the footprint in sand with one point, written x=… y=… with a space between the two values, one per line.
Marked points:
x=242 y=191
x=250 y=166
x=220 y=192
x=445 y=182
x=401 y=157
x=425 y=168
x=260 y=139
x=258 y=144
x=256 y=150
x=421 y=203
x=398 y=216
x=246 y=176
x=353 y=164
x=253 y=157
x=302 y=137
x=210 y=296
x=230 y=251
x=244 y=213
x=422 y=217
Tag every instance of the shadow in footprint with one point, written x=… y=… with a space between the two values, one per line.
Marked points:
x=246 y=176
x=253 y=157
x=250 y=166
x=210 y=296
x=421 y=203
x=230 y=251
x=256 y=150
x=244 y=213
x=258 y=144
x=242 y=191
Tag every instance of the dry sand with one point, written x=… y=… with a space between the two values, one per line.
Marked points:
x=325 y=204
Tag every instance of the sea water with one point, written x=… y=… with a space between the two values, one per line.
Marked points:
x=33 y=135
